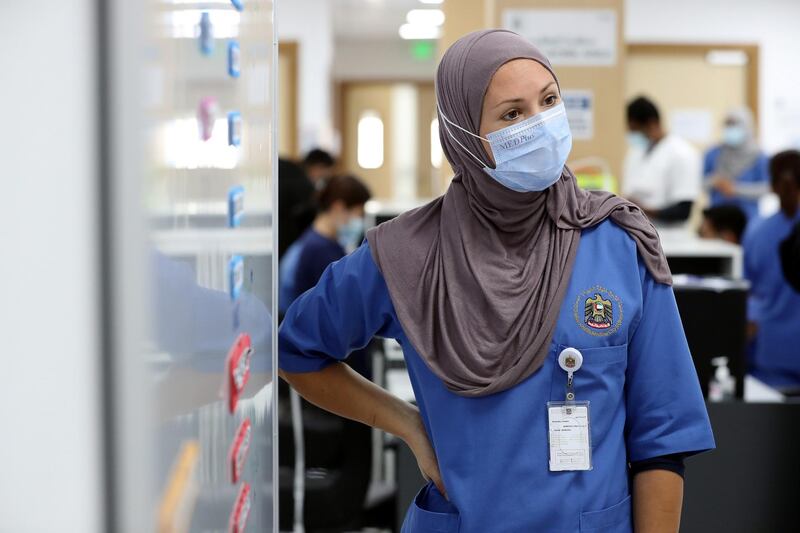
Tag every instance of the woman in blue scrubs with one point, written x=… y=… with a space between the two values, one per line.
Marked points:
x=517 y=298
x=736 y=170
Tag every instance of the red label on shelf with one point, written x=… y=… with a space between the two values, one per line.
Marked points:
x=238 y=453
x=238 y=368
x=241 y=510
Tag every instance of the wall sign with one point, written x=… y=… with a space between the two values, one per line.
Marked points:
x=580 y=112
x=569 y=37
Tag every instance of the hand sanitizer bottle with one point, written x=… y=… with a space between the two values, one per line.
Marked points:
x=722 y=385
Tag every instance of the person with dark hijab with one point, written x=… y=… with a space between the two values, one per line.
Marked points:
x=296 y=209
x=774 y=306
x=554 y=386
x=790 y=258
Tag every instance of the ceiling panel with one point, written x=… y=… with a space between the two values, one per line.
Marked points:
x=371 y=19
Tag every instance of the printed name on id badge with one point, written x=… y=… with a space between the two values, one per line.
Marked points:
x=569 y=436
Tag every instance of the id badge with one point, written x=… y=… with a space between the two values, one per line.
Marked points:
x=569 y=436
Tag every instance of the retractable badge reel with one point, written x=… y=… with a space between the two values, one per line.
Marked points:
x=570 y=360
x=568 y=422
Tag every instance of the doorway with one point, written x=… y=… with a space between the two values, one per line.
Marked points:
x=390 y=137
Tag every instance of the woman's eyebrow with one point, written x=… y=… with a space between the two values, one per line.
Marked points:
x=520 y=100
x=547 y=87
x=510 y=101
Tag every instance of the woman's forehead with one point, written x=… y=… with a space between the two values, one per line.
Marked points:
x=518 y=78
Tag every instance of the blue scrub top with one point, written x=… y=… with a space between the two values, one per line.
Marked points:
x=774 y=305
x=638 y=376
x=758 y=173
x=303 y=264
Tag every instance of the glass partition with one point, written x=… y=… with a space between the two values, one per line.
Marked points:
x=207 y=72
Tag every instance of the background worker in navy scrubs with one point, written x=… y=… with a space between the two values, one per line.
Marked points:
x=338 y=225
x=514 y=290
x=774 y=307
x=337 y=228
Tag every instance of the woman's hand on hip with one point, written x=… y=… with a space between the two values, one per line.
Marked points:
x=417 y=439
x=339 y=389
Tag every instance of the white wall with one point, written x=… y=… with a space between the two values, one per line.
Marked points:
x=310 y=24
x=772 y=24
x=49 y=357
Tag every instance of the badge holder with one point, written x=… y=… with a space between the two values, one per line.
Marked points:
x=569 y=435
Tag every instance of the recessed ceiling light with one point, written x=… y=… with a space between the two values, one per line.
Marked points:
x=416 y=31
x=425 y=17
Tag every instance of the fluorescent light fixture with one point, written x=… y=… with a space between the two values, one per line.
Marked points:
x=184 y=23
x=727 y=58
x=431 y=1
x=425 y=17
x=411 y=31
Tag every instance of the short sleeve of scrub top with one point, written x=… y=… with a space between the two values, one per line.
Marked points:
x=662 y=418
x=347 y=308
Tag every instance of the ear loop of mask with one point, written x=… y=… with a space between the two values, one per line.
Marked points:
x=448 y=121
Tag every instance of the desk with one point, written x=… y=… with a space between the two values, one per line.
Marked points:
x=751 y=482
x=689 y=254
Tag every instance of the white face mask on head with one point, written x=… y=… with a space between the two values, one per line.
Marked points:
x=734 y=135
x=349 y=234
x=638 y=140
x=530 y=155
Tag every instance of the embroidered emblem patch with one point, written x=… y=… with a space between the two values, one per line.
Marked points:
x=598 y=311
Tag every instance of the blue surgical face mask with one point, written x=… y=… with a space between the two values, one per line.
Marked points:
x=734 y=135
x=530 y=155
x=638 y=140
x=349 y=234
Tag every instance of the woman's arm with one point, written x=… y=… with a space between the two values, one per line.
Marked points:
x=342 y=391
x=657 y=501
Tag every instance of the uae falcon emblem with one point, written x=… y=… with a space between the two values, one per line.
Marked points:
x=598 y=312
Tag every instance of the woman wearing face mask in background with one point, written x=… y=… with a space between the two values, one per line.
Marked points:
x=513 y=290
x=336 y=230
x=737 y=171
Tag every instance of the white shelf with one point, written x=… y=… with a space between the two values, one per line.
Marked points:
x=193 y=242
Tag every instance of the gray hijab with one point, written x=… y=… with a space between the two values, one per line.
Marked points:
x=734 y=160
x=478 y=275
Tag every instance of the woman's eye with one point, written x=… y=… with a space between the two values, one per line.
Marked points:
x=551 y=100
x=511 y=115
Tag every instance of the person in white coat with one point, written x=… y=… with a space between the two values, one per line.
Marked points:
x=663 y=172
